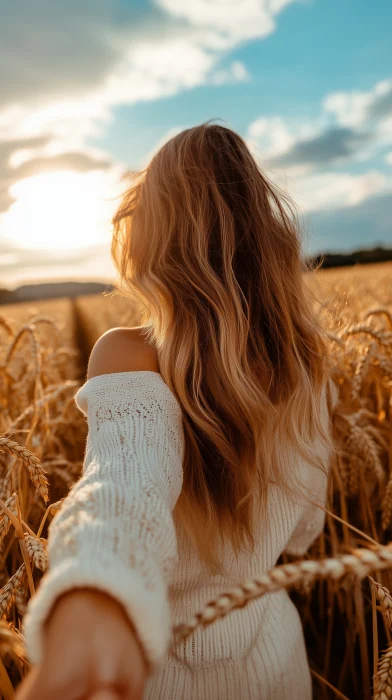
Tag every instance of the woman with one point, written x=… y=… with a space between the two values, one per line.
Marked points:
x=207 y=451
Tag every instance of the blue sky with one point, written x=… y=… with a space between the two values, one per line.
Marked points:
x=94 y=88
x=319 y=47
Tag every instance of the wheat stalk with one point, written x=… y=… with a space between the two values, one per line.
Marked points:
x=379 y=311
x=359 y=443
x=5 y=324
x=383 y=337
x=7 y=593
x=55 y=507
x=385 y=364
x=11 y=641
x=359 y=563
x=360 y=371
x=7 y=690
x=52 y=509
x=21 y=598
x=35 y=320
x=361 y=365
x=51 y=394
x=36 y=547
x=5 y=522
x=30 y=330
x=385 y=600
x=383 y=677
x=14 y=518
x=32 y=464
x=386 y=506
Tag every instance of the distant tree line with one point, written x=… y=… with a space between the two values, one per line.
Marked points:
x=53 y=290
x=370 y=255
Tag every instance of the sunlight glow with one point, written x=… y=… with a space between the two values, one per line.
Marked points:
x=60 y=211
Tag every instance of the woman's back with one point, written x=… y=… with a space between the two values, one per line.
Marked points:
x=256 y=651
x=199 y=475
x=117 y=529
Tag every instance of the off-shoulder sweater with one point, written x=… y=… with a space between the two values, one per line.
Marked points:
x=116 y=532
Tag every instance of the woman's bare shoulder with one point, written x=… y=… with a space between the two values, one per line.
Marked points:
x=122 y=350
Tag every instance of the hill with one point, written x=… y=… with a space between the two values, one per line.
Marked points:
x=55 y=290
x=51 y=290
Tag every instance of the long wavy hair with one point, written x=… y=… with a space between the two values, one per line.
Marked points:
x=211 y=251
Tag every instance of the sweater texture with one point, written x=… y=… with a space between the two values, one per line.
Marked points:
x=116 y=532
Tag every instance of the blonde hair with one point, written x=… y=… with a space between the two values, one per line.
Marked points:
x=211 y=251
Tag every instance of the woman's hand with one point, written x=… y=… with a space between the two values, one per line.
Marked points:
x=90 y=653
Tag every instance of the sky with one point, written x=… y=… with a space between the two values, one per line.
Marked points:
x=90 y=89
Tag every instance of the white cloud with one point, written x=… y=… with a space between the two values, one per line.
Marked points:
x=332 y=190
x=355 y=108
x=384 y=131
x=106 y=55
x=291 y=144
x=58 y=50
x=26 y=266
x=271 y=136
x=86 y=57
x=234 y=21
x=312 y=191
x=351 y=128
x=69 y=65
x=349 y=109
x=70 y=121
x=236 y=72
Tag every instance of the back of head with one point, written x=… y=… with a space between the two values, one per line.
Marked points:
x=211 y=250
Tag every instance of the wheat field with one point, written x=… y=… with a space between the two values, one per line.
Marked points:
x=343 y=588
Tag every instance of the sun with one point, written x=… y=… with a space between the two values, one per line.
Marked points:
x=59 y=211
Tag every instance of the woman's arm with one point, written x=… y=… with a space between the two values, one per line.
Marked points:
x=115 y=533
x=90 y=651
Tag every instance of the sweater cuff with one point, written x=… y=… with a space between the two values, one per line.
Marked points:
x=147 y=610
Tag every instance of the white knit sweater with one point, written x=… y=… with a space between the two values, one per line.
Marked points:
x=116 y=532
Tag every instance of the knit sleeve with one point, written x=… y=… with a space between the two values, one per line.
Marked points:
x=312 y=519
x=115 y=530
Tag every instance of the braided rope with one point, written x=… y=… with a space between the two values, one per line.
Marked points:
x=360 y=563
